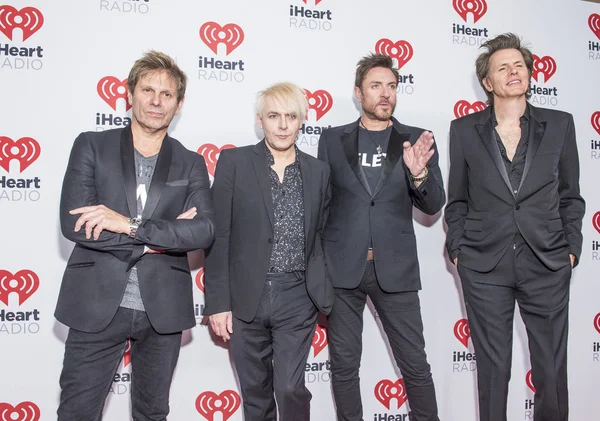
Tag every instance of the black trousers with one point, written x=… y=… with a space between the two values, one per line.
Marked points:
x=270 y=352
x=543 y=299
x=400 y=315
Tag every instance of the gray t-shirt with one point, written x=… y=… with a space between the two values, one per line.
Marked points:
x=144 y=169
x=368 y=158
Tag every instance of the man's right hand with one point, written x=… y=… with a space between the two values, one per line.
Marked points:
x=221 y=324
x=188 y=214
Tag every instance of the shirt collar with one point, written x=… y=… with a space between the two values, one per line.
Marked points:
x=271 y=160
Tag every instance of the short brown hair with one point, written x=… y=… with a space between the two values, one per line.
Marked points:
x=153 y=61
x=371 y=61
x=501 y=42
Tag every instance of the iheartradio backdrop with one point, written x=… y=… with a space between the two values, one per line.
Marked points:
x=62 y=71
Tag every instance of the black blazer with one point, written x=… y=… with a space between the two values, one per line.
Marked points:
x=483 y=213
x=238 y=261
x=356 y=214
x=101 y=170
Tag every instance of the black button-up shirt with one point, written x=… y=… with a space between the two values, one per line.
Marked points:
x=288 y=254
x=515 y=168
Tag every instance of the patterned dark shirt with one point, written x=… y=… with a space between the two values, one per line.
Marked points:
x=288 y=253
x=515 y=168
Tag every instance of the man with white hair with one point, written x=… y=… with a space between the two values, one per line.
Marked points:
x=265 y=273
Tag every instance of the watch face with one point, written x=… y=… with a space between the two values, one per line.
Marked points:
x=135 y=221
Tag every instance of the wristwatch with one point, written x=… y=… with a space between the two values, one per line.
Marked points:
x=134 y=223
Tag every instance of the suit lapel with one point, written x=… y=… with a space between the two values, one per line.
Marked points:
x=308 y=187
x=536 y=133
x=350 y=146
x=128 y=168
x=394 y=152
x=259 y=160
x=159 y=178
x=486 y=132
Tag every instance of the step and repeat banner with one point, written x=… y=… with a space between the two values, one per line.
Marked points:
x=63 y=70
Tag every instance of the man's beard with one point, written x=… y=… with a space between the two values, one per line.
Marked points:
x=373 y=113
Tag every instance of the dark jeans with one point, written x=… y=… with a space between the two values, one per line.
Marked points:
x=400 y=315
x=543 y=299
x=91 y=361
x=270 y=352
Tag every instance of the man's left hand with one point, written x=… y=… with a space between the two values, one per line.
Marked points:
x=99 y=218
x=416 y=156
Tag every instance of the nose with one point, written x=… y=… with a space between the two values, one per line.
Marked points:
x=512 y=70
x=283 y=123
x=155 y=100
x=386 y=92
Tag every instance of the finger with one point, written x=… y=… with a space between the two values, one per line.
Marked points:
x=406 y=145
x=230 y=324
x=89 y=226
x=98 y=230
x=82 y=209
x=80 y=222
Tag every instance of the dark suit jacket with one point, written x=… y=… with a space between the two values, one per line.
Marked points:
x=101 y=170
x=238 y=261
x=483 y=213
x=356 y=214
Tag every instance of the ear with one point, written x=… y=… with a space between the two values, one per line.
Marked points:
x=179 y=106
x=487 y=84
x=129 y=96
x=358 y=93
x=259 y=120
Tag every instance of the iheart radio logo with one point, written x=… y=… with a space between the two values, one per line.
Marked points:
x=594 y=23
x=209 y=403
x=464 y=7
x=596 y=121
x=385 y=390
x=597 y=322
x=24 y=283
x=544 y=65
x=319 y=341
x=463 y=108
x=211 y=153
x=200 y=279
x=529 y=381
x=400 y=50
x=25 y=411
x=321 y=101
x=127 y=354
x=462 y=332
x=212 y=34
x=25 y=150
x=111 y=89
x=28 y=19
x=596 y=221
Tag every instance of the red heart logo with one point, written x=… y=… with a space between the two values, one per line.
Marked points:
x=25 y=150
x=321 y=101
x=596 y=121
x=385 y=390
x=28 y=19
x=23 y=283
x=319 y=341
x=208 y=403
x=213 y=34
x=594 y=23
x=529 y=381
x=462 y=332
x=316 y=1
x=596 y=221
x=597 y=322
x=127 y=354
x=400 y=50
x=545 y=66
x=25 y=411
x=462 y=108
x=211 y=153
x=464 y=7
x=111 y=89
x=200 y=279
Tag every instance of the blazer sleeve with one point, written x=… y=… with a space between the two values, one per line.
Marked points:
x=322 y=149
x=430 y=196
x=79 y=189
x=458 y=195
x=216 y=270
x=572 y=205
x=183 y=235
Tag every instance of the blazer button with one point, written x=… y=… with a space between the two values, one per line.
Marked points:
x=372 y=203
x=270 y=240
x=517 y=207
